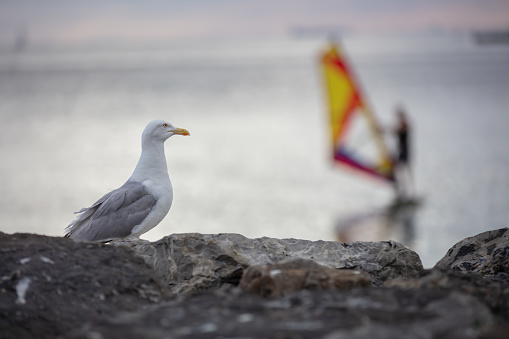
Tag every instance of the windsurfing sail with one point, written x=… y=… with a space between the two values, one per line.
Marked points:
x=356 y=138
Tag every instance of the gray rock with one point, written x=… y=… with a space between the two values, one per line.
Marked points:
x=486 y=253
x=49 y=286
x=56 y=287
x=283 y=278
x=489 y=290
x=197 y=262
x=360 y=313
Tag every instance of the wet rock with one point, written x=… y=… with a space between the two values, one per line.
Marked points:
x=280 y=279
x=486 y=253
x=360 y=313
x=49 y=286
x=194 y=262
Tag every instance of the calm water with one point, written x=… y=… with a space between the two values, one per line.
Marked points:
x=257 y=159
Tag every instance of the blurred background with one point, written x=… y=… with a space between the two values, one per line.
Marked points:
x=80 y=80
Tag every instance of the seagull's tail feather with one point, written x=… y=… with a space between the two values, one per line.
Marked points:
x=84 y=216
x=86 y=213
x=82 y=210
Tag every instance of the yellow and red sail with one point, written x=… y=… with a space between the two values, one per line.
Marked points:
x=346 y=106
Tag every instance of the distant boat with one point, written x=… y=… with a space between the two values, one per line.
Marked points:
x=21 y=40
x=319 y=31
x=491 y=37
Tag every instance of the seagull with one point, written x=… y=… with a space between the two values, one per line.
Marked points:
x=141 y=203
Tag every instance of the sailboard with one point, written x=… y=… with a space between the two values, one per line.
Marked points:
x=356 y=137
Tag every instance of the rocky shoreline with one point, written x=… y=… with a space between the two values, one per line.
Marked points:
x=229 y=286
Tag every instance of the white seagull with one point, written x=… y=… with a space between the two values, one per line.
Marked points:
x=141 y=203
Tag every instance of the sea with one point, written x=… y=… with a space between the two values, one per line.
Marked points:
x=258 y=161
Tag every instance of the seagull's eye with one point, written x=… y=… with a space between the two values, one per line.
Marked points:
x=165 y=125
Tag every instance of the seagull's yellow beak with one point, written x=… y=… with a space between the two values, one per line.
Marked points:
x=180 y=131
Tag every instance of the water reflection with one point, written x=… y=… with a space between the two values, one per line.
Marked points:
x=393 y=222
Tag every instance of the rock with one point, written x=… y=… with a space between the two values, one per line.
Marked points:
x=195 y=262
x=359 y=313
x=280 y=279
x=486 y=253
x=478 y=266
x=49 y=286
x=56 y=287
x=490 y=291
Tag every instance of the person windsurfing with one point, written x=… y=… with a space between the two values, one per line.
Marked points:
x=403 y=177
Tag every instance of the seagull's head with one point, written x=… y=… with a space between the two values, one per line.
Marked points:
x=161 y=130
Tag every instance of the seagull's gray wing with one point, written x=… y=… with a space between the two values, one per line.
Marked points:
x=114 y=215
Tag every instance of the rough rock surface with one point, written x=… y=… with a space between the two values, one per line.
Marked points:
x=283 y=278
x=48 y=286
x=57 y=287
x=197 y=262
x=360 y=313
x=490 y=291
x=486 y=253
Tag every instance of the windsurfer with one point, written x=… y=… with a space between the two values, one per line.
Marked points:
x=403 y=182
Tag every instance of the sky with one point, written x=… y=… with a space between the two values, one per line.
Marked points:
x=99 y=21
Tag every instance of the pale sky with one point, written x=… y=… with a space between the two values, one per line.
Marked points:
x=96 y=21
